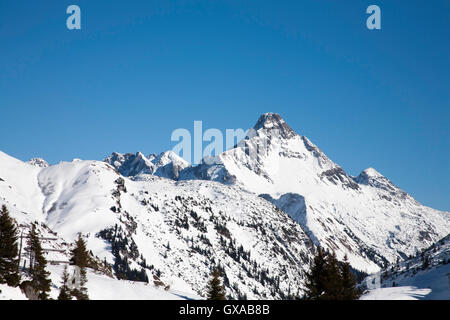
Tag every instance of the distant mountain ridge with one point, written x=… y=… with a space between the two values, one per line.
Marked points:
x=257 y=211
x=334 y=208
x=167 y=164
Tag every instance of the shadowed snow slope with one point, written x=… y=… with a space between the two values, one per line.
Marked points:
x=397 y=293
x=9 y=293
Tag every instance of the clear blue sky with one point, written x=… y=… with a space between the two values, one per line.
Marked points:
x=139 y=69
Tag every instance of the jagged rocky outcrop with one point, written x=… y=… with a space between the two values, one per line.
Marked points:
x=38 y=162
x=166 y=165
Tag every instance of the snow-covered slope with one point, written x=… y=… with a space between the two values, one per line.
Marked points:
x=396 y=293
x=10 y=293
x=19 y=187
x=428 y=271
x=175 y=231
x=367 y=218
x=102 y=287
x=102 y=284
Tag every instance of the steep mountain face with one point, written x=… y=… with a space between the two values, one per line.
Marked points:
x=174 y=232
x=166 y=165
x=367 y=218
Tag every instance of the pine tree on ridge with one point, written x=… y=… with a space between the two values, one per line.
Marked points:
x=64 y=293
x=80 y=258
x=38 y=263
x=9 y=262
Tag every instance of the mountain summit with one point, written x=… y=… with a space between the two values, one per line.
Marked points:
x=367 y=218
x=273 y=121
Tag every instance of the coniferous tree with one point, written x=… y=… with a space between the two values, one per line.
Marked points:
x=9 y=267
x=426 y=262
x=329 y=279
x=216 y=291
x=333 y=282
x=64 y=293
x=80 y=257
x=316 y=278
x=349 y=291
x=38 y=263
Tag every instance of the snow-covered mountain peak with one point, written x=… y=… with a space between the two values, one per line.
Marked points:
x=366 y=218
x=168 y=157
x=140 y=155
x=38 y=162
x=167 y=164
x=371 y=177
x=274 y=123
x=371 y=172
x=130 y=164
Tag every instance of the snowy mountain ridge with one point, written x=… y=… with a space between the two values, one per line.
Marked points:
x=167 y=164
x=175 y=232
x=367 y=218
x=256 y=211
